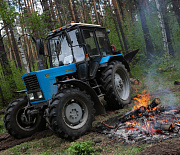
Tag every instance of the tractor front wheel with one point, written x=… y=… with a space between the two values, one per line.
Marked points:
x=18 y=124
x=71 y=113
x=116 y=82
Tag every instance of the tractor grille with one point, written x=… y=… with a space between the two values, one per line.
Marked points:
x=31 y=82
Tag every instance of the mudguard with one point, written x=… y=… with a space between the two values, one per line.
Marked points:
x=100 y=109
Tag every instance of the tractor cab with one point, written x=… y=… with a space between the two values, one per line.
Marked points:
x=79 y=43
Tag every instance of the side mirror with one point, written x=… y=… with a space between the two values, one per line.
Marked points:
x=40 y=46
x=68 y=38
x=107 y=31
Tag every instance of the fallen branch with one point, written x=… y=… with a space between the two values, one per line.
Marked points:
x=112 y=127
x=166 y=69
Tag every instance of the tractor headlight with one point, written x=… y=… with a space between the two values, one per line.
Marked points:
x=31 y=96
x=40 y=95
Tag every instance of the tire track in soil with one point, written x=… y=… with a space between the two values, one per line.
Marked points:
x=7 y=141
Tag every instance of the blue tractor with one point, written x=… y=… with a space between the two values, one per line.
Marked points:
x=82 y=69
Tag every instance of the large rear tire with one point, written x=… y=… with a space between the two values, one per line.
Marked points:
x=71 y=113
x=16 y=123
x=116 y=83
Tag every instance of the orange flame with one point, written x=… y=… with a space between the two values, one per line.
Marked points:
x=142 y=100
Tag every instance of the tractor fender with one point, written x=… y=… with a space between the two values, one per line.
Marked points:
x=100 y=109
x=121 y=59
x=117 y=57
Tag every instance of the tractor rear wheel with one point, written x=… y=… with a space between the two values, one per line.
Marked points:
x=71 y=113
x=116 y=82
x=16 y=122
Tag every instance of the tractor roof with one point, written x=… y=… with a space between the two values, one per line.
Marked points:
x=72 y=25
x=81 y=24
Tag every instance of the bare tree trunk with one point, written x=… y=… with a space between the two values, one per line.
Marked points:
x=75 y=11
x=130 y=10
x=92 y=21
x=2 y=96
x=120 y=24
x=11 y=46
x=176 y=9
x=166 y=23
x=84 y=11
x=72 y=11
x=116 y=26
x=163 y=32
x=95 y=10
x=21 y=50
x=15 y=48
x=147 y=37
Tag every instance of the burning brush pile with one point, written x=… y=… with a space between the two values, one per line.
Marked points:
x=148 y=122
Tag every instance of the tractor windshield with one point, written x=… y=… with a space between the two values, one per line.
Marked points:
x=62 y=53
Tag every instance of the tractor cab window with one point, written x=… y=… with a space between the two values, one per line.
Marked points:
x=60 y=51
x=78 y=50
x=103 y=42
x=90 y=42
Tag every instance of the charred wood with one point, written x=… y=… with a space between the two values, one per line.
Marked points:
x=140 y=111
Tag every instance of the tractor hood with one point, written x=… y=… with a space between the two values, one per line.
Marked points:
x=46 y=79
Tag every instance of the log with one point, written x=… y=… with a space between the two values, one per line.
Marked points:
x=134 y=81
x=176 y=83
x=154 y=103
x=166 y=69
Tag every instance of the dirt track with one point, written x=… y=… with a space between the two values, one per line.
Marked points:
x=7 y=141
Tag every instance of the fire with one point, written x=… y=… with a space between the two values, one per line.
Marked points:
x=142 y=100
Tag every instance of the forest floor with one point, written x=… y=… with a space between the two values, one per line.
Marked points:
x=159 y=84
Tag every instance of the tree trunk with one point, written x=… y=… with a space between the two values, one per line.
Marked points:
x=116 y=26
x=1 y=94
x=15 y=48
x=72 y=11
x=163 y=32
x=11 y=46
x=6 y=68
x=75 y=12
x=58 y=13
x=147 y=37
x=176 y=9
x=120 y=24
x=166 y=23
x=21 y=50
x=84 y=11
x=92 y=21
x=95 y=10
x=45 y=7
x=130 y=10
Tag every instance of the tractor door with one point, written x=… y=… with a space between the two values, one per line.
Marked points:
x=93 y=52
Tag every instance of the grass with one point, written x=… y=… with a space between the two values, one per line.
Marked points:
x=151 y=80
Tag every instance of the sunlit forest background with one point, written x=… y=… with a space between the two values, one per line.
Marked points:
x=153 y=26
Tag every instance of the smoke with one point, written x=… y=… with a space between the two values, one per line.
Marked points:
x=160 y=87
